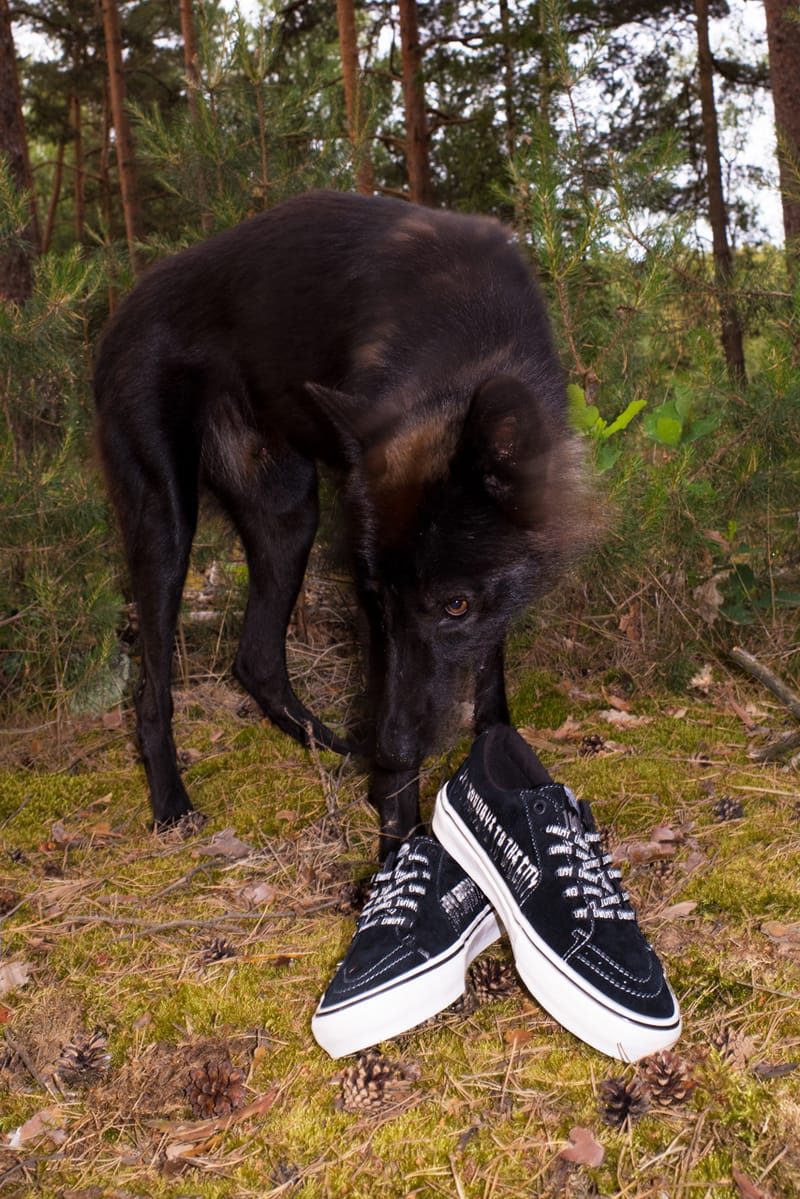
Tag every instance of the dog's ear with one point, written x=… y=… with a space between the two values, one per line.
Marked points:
x=341 y=411
x=508 y=440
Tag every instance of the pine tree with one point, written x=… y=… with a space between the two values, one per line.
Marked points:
x=783 y=37
x=126 y=156
x=15 y=256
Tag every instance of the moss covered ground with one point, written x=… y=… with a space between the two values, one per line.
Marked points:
x=213 y=945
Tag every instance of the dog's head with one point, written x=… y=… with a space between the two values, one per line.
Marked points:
x=459 y=521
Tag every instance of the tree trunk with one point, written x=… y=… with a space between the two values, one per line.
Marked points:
x=78 y=173
x=16 y=274
x=126 y=159
x=732 y=341
x=783 y=39
x=348 y=46
x=508 y=81
x=191 y=64
x=55 y=196
x=417 y=136
x=190 y=56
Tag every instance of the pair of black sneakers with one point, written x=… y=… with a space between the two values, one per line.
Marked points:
x=510 y=844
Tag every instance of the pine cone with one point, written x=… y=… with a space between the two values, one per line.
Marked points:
x=492 y=978
x=728 y=808
x=591 y=744
x=374 y=1082
x=215 y=1089
x=353 y=896
x=8 y=900
x=217 y=950
x=667 y=1077
x=84 y=1060
x=734 y=1047
x=662 y=867
x=623 y=1099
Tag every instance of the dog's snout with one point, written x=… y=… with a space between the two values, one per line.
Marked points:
x=398 y=742
x=398 y=750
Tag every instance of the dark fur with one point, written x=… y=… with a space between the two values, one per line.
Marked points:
x=408 y=348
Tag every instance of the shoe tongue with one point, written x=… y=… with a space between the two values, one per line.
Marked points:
x=573 y=803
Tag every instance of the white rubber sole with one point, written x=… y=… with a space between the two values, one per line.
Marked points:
x=401 y=1005
x=568 y=997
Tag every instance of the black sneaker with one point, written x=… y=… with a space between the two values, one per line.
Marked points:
x=421 y=927
x=533 y=849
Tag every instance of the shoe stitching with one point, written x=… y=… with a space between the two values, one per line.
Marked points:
x=621 y=986
x=613 y=964
x=378 y=968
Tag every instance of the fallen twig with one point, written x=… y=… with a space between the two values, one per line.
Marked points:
x=777 y=749
x=19 y=1051
x=789 y=698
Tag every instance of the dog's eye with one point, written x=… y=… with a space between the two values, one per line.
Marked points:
x=457 y=606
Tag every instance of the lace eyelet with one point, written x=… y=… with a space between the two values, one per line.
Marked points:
x=540 y=807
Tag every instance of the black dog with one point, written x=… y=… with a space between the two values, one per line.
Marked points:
x=409 y=349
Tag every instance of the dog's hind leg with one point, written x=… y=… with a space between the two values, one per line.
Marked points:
x=154 y=481
x=275 y=510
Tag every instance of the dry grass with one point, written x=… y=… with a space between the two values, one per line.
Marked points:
x=215 y=945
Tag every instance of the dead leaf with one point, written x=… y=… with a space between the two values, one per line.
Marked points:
x=288 y=814
x=227 y=845
x=616 y=701
x=704 y=679
x=677 y=911
x=13 y=975
x=112 y=719
x=103 y=831
x=256 y=895
x=570 y=728
x=61 y=837
x=709 y=598
x=639 y=853
x=583 y=1148
x=695 y=860
x=676 y=713
x=627 y=719
x=776 y=1069
x=714 y=535
x=662 y=833
x=186 y=1139
x=517 y=1036
x=745 y=717
x=747 y=1188
x=778 y=931
x=629 y=624
x=538 y=739
x=189 y=756
x=48 y=1122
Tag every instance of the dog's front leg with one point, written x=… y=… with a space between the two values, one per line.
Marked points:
x=395 y=795
x=491 y=704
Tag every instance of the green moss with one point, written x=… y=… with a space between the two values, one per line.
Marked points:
x=496 y=1114
x=535 y=700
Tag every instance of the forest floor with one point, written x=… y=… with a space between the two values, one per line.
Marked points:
x=156 y=992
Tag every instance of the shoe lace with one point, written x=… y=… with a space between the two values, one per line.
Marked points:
x=593 y=881
x=396 y=890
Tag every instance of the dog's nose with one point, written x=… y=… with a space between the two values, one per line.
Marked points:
x=398 y=746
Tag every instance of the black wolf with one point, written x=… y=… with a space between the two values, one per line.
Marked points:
x=410 y=350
